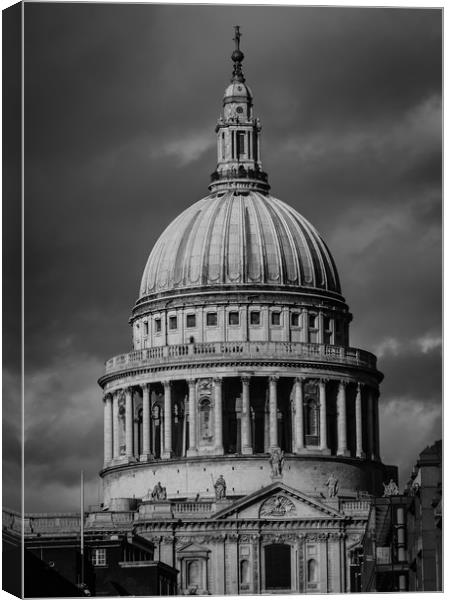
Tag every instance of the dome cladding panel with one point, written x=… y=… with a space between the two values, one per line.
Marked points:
x=239 y=239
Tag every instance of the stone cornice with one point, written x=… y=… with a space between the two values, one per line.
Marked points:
x=373 y=377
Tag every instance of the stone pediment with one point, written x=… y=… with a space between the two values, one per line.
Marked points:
x=192 y=549
x=279 y=501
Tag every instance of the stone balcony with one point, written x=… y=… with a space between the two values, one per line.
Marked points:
x=245 y=351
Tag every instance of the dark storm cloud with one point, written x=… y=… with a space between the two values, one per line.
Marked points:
x=121 y=104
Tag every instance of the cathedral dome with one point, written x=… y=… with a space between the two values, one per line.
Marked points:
x=239 y=239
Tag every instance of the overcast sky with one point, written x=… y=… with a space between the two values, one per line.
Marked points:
x=120 y=108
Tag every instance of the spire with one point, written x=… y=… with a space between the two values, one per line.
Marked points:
x=238 y=135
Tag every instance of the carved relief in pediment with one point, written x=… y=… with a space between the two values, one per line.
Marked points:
x=277 y=506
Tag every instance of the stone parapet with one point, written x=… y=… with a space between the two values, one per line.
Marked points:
x=222 y=351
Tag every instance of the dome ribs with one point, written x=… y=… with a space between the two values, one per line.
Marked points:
x=254 y=253
x=239 y=239
x=273 y=254
x=197 y=240
x=234 y=242
x=286 y=249
x=206 y=265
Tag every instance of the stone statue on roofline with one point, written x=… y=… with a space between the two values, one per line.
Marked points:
x=276 y=462
x=390 y=489
x=220 y=488
x=332 y=486
x=159 y=492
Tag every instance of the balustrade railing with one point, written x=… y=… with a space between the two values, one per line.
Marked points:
x=356 y=506
x=249 y=350
x=192 y=507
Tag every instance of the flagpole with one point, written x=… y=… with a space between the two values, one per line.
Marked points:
x=82 y=526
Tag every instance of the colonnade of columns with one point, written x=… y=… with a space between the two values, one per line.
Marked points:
x=302 y=440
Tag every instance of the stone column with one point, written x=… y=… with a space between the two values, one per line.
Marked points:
x=129 y=422
x=192 y=451
x=107 y=429
x=299 y=416
x=273 y=406
x=376 y=424
x=115 y=427
x=146 y=442
x=342 y=446
x=358 y=423
x=218 y=399
x=167 y=421
x=370 y=421
x=246 y=417
x=323 y=419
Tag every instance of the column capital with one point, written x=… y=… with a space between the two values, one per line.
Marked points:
x=107 y=396
x=145 y=386
x=343 y=383
x=273 y=378
x=191 y=381
x=218 y=380
x=323 y=380
x=360 y=385
x=245 y=379
x=128 y=391
x=166 y=383
x=300 y=379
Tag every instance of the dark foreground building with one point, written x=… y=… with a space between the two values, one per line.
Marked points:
x=401 y=549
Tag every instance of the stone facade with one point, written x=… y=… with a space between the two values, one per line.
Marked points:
x=242 y=422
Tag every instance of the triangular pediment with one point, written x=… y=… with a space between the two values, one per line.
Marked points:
x=192 y=548
x=280 y=501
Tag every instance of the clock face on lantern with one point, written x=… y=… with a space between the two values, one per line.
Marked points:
x=234 y=112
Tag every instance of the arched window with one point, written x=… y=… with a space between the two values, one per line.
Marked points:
x=193 y=573
x=205 y=427
x=312 y=571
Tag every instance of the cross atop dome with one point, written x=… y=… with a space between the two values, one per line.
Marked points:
x=237 y=56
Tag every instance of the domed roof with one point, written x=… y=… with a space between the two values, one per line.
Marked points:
x=239 y=239
x=237 y=90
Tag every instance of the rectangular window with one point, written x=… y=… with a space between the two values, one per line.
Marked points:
x=295 y=319
x=211 y=319
x=240 y=143
x=327 y=323
x=312 y=321
x=191 y=321
x=276 y=318
x=173 y=322
x=254 y=317
x=145 y=328
x=234 y=318
x=99 y=557
x=157 y=325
